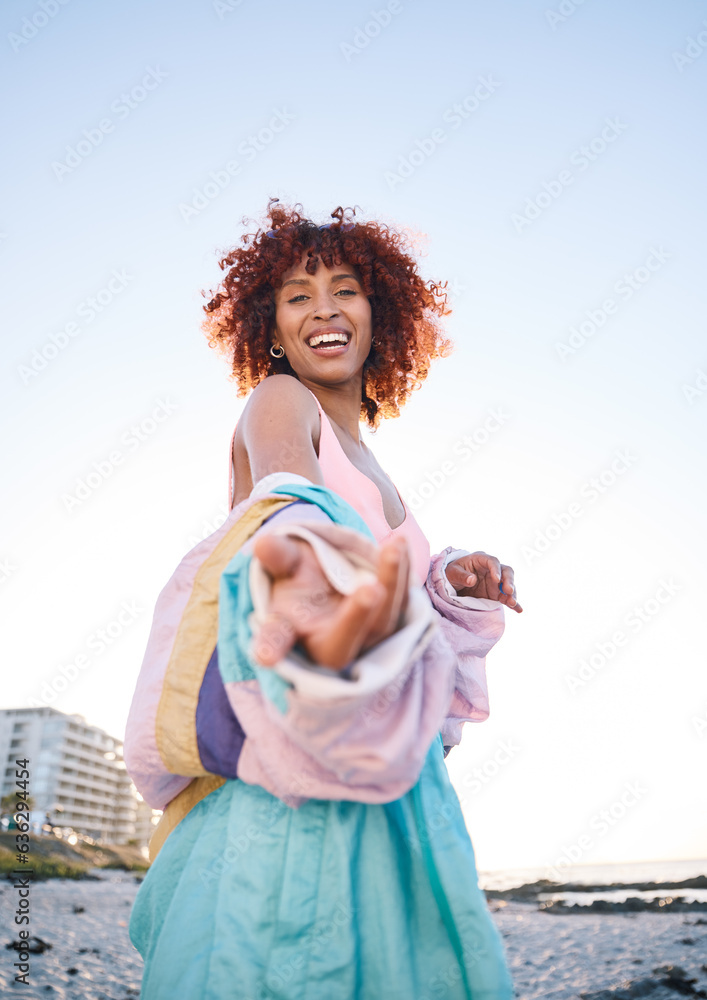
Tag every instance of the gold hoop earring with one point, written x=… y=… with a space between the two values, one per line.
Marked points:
x=280 y=348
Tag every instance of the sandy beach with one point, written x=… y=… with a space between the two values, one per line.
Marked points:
x=86 y=923
x=569 y=956
x=554 y=955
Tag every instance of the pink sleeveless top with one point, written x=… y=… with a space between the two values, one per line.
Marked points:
x=341 y=476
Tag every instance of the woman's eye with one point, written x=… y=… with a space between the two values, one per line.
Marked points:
x=344 y=291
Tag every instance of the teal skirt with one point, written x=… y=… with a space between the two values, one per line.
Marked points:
x=252 y=900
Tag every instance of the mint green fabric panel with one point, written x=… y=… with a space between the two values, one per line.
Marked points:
x=251 y=899
x=333 y=901
x=331 y=503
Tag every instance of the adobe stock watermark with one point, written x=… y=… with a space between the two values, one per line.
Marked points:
x=7 y=569
x=471 y=784
x=699 y=723
x=632 y=623
x=97 y=642
x=454 y=116
x=372 y=711
x=236 y=847
x=272 y=811
x=694 y=392
x=363 y=37
x=224 y=7
x=580 y=159
x=122 y=107
x=455 y=290
x=600 y=824
x=462 y=450
x=248 y=149
x=87 y=310
x=474 y=943
x=475 y=780
x=695 y=45
x=288 y=452
x=591 y=491
x=565 y=10
x=131 y=440
x=209 y=525
x=33 y=24
x=321 y=934
x=474 y=948
x=624 y=289
x=281 y=631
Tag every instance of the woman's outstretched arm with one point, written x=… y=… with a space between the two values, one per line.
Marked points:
x=312 y=731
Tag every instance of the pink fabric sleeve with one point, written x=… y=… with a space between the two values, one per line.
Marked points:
x=362 y=737
x=471 y=626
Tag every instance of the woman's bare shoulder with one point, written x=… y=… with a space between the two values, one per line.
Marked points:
x=281 y=393
x=279 y=428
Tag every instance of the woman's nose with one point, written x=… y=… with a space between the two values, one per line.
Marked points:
x=325 y=310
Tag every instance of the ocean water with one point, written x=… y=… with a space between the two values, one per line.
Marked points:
x=625 y=872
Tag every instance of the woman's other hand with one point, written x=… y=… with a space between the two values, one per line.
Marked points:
x=333 y=629
x=482 y=575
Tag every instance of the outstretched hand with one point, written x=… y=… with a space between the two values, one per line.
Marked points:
x=333 y=629
x=482 y=575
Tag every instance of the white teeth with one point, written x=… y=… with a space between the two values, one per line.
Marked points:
x=328 y=338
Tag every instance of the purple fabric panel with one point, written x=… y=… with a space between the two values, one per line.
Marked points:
x=218 y=732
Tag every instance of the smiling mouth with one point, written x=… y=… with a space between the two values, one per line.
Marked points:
x=326 y=342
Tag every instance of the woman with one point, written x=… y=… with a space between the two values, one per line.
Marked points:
x=315 y=846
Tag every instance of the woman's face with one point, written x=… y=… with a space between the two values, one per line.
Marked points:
x=323 y=322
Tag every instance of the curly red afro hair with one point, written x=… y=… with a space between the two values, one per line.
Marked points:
x=407 y=335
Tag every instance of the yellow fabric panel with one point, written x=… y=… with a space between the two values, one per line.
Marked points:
x=175 y=724
x=180 y=805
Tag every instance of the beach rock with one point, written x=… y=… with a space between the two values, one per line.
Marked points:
x=631 y=991
x=544 y=885
x=668 y=979
x=634 y=904
x=34 y=945
x=675 y=977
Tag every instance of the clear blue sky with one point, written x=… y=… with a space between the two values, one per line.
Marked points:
x=556 y=168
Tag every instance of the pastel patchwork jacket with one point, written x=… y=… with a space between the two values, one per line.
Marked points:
x=204 y=711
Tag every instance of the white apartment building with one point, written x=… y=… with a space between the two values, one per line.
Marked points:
x=77 y=774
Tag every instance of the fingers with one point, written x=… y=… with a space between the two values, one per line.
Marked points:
x=368 y=615
x=507 y=589
x=459 y=575
x=274 y=639
x=496 y=580
x=507 y=584
x=489 y=565
x=348 y=629
x=393 y=575
x=280 y=556
x=334 y=635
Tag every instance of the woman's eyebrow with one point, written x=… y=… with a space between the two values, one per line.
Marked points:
x=305 y=281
